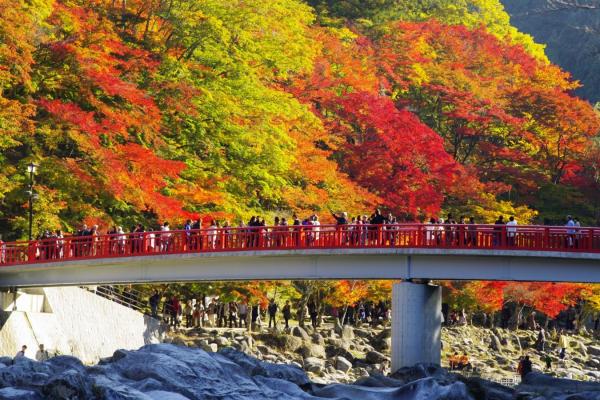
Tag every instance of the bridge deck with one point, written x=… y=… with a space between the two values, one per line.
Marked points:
x=487 y=252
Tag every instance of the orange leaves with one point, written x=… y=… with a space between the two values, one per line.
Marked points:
x=546 y=297
x=347 y=293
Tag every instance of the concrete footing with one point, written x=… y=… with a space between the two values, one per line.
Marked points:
x=71 y=321
x=416 y=324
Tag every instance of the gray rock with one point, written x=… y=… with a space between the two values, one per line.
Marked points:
x=282 y=342
x=313 y=364
x=333 y=351
x=221 y=341
x=593 y=350
x=341 y=364
x=9 y=393
x=550 y=384
x=263 y=349
x=318 y=339
x=495 y=343
x=178 y=341
x=517 y=343
x=300 y=333
x=312 y=350
x=211 y=347
x=362 y=333
x=70 y=384
x=347 y=332
x=375 y=357
x=593 y=362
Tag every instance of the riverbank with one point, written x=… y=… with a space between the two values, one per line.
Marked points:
x=334 y=354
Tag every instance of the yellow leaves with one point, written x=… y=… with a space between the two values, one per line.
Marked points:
x=489 y=208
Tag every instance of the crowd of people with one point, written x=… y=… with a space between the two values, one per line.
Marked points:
x=374 y=230
x=199 y=312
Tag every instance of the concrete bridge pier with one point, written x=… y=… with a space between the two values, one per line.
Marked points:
x=416 y=324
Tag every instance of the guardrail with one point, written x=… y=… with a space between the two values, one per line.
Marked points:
x=444 y=236
x=127 y=297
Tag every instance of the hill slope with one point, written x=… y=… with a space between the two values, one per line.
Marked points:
x=571 y=30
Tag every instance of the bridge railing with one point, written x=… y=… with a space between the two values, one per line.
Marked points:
x=445 y=236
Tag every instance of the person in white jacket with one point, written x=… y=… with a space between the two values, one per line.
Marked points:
x=511 y=231
x=42 y=354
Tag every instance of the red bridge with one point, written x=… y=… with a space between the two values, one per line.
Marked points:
x=447 y=248
x=400 y=236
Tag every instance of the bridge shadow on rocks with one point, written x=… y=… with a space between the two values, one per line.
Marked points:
x=167 y=371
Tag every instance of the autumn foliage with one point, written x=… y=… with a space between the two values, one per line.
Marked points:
x=145 y=111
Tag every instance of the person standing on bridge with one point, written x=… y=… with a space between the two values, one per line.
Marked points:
x=570 y=231
x=340 y=219
x=165 y=237
x=375 y=231
x=511 y=231
x=2 y=251
x=188 y=234
x=498 y=231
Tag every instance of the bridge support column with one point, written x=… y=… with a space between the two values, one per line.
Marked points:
x=416 y=324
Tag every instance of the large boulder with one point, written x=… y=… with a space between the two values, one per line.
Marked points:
x=593 y=350
x=334 y=351
x=383 y=341
x=427 y=388
x=286 y=343
x=70 y=384
x=318 y=339
x=547 y=384
x=312 y=350
x=313 y=364
x=299 y=332
x=375 y=357
x=341 y=364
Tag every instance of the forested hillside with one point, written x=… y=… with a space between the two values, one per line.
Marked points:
x=571 y=30
x=145 y=110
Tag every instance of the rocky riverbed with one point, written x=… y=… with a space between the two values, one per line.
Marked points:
x=342 y=355
x=171 y=372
